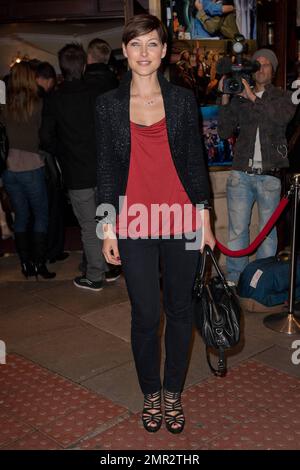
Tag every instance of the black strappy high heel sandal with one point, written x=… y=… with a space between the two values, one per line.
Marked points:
x=174 y=416
x=152 y=415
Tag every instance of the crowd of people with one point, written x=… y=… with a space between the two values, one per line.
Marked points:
x=121 y=153
x=197 y=71
x=52 y=148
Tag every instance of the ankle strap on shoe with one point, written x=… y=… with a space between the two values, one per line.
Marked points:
x=152 y=400
x=176 y=396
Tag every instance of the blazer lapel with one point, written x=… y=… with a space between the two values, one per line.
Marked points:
x=170 y=104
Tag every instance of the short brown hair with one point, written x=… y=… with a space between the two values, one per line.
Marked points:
x=140 y=25
x=100 y=50
x=72 y=60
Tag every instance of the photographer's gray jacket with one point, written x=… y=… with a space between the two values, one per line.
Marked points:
x=271 y=114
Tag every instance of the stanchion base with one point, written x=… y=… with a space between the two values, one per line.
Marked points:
x=286 y=323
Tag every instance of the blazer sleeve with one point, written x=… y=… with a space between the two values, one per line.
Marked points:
x=105 y=161
x=197 y=168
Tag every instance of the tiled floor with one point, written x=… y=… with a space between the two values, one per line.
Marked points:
x=69 y=381
x=38 y=407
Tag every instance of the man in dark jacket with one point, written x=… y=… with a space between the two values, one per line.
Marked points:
x=97 y=72
x=260 y=115
x=46 y=79
x=68 y=131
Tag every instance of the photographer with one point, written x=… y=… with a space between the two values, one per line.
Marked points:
x=260 y=115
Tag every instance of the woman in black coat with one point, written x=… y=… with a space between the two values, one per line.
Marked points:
x=150 y=161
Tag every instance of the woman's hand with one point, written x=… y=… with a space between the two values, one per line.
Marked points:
x=208 y=237
x=225 y=98
x=110 y=248
x=221 y=84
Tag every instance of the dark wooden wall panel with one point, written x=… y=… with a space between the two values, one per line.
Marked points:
x=18 y=10
x=52 y=8
x=110 y=6
x=281 y=15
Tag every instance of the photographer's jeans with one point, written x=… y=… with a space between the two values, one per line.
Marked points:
x=243 y=190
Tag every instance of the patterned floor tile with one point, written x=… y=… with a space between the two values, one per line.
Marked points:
x=34 y=441
x=131 y=435
x=267 y=433
x=35 y=416
x=68 y=429
x=256 y=384
x=12 y=429
x=206 y=401
x=287 y=411
x=232 y=440
x=65 y=409
x=253 y=407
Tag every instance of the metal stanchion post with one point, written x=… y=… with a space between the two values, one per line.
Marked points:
x=287 y=322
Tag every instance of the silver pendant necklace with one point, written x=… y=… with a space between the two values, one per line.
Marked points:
x=149 y=102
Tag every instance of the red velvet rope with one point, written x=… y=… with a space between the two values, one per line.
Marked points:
x=260 y=237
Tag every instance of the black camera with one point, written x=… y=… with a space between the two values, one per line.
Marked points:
x=240 y=68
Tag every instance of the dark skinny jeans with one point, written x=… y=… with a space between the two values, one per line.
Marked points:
x=140 y=261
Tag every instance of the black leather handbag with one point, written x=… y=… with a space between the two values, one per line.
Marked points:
x=217 y=312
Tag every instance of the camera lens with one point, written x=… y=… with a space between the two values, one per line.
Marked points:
x=234 y=86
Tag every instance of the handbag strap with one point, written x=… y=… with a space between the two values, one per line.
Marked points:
x=220 y=274
x=200 y=278
x=222 y=369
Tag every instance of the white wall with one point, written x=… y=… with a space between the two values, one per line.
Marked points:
x=9 y=48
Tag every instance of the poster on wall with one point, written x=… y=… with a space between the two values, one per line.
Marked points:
x=210 y=19
x=193 y=65
x=195 y=58
x=219 y=151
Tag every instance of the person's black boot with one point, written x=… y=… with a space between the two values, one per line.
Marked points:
x=60 y=257
x=22 y=247
x=28 y=269
x=41 y=270
x=40 y=247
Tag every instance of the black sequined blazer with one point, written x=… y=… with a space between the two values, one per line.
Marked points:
x=113 y=142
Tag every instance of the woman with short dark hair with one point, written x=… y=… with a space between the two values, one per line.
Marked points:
x=150 y=152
